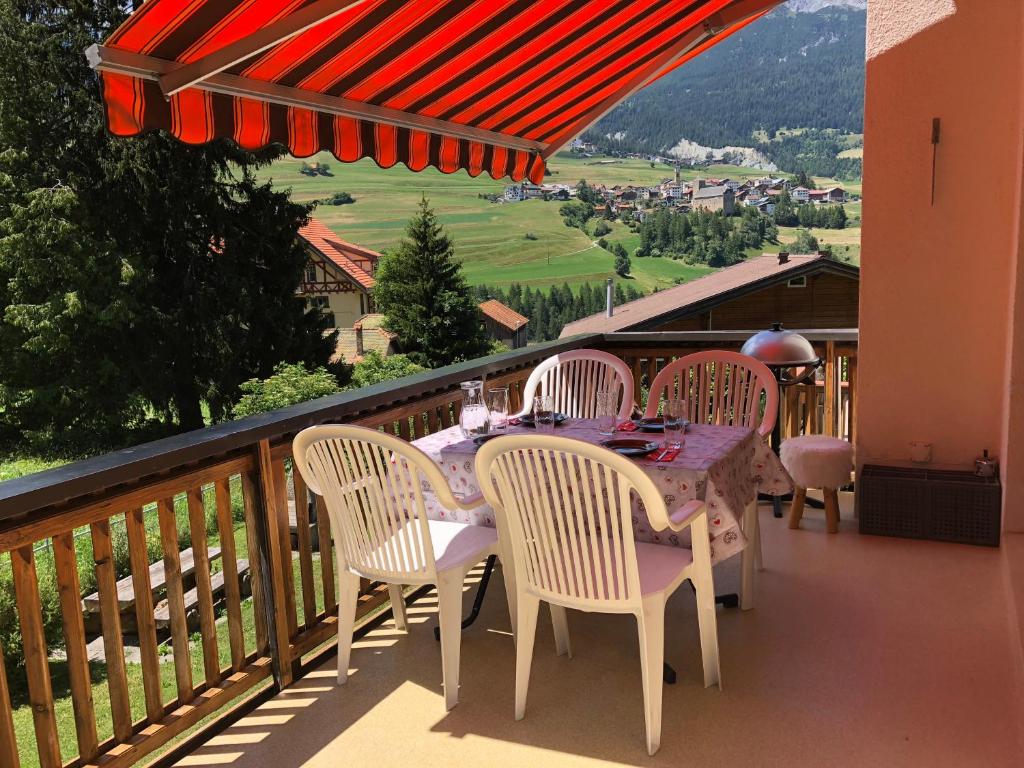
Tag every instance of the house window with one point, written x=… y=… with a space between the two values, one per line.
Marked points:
x=797 y=282
x=311 y=273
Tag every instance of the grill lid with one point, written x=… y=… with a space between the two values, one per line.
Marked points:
x=778 y=347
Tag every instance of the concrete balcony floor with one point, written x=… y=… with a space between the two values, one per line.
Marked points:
x=860 y=651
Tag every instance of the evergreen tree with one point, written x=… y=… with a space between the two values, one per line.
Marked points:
x=622 y=263
x=139 y=276
x=423 y=294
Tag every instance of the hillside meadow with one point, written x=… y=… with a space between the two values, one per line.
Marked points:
x=492 y=238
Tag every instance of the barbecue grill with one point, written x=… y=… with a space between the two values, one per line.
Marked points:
x=792 y=360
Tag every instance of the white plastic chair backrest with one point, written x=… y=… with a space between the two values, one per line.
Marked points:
x=574 y=378
x=373 y=485
x=565 y=507
x=720 y=387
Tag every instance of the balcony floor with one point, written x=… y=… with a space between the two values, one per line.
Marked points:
x=860 y=651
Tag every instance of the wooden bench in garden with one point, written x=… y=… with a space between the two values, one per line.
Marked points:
x=162 y=613
x=157 y=580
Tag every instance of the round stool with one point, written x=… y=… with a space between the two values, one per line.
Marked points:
x=815 y=461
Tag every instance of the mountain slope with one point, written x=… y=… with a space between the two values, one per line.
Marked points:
x=790 y=69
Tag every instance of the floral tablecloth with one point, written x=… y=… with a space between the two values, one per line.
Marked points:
x=724 y=466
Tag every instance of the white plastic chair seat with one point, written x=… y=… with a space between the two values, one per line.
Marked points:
x=460 y=544
x=659 y=567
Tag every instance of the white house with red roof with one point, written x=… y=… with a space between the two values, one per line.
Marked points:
x=339 y=275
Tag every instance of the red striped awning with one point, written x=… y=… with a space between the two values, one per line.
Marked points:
x=480 y=85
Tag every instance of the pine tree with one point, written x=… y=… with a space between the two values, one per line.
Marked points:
x=423 y=294
x=622 y=263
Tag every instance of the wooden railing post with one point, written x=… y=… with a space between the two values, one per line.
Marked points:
x=272 y=562
x=831 y=390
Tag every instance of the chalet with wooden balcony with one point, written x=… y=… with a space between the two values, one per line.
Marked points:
x=339 y=275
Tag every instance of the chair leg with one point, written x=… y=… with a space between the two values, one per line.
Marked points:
x=707 y=622
x=747 y=558
x=560 y=622
x=526 y=631
x=831 y=509
x=651 y=628
x=348 y=599
x=758 y=549
x=398 y=606
x=796 y=509
x=449 y=608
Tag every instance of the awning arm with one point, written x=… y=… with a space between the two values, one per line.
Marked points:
x=115 y=60
x=714 y=25
x=183 y=76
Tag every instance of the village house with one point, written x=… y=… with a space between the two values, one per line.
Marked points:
x=504 y=324
x=339 y=275
x=714 y=198
x=804 y=292
x=801 y=195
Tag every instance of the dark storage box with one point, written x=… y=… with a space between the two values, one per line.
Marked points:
x=920 y=503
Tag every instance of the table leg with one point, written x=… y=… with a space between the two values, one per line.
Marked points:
x=478 y=601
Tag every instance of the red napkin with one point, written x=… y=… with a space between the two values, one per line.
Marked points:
x=626 y=426
x=513 y=422
x=668 y=456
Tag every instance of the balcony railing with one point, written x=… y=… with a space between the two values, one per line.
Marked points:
x=232 y=486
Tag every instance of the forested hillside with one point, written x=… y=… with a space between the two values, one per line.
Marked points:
x=788 y=70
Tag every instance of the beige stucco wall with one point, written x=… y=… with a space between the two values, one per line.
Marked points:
x=937 y=281
x=346 y=308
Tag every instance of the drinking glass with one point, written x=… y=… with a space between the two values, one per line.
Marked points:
x=497 y=401
x=673 y=413
x=607 y=411
x=544 y=414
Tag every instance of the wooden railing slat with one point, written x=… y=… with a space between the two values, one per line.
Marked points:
x=146 y=623
x=8 y=741
x=37 y=668
x=250 y=501
x=113 y=643
x=204 y=590
x=229 y=562
x=280 y=561
x=305 y=540
x=323 y=524
x=70 y=593
x=280 y=512
x=175 y=599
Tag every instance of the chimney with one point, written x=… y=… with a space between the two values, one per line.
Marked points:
x=783 y=257
x=609 y=309
x=359 y=339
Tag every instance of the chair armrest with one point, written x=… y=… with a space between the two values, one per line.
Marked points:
x=471 y=502
x=686 y=514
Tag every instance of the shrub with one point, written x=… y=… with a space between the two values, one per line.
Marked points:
x=290 y=384
x=601 y=228
x=375 y=368
x=530 y=236
x=339 y=198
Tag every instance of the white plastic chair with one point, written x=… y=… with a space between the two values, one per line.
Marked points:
x=564 y=509
x=373 y=485
x=574 y=378
x=725 y=388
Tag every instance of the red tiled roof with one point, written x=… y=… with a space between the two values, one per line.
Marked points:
x=354 y=260
x=503 y=315
x=746 y=274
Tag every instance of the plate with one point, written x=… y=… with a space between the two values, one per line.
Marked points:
x=527 y=419
x=631 y=446
x=655 y=424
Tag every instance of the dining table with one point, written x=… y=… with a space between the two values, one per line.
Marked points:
x=724 y=466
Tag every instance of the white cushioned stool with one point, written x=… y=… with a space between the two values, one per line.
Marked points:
x=816 y=461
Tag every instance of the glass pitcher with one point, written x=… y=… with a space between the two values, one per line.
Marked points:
x=474 y=419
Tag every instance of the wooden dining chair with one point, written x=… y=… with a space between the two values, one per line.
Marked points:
x=730 y=389
x=574 y=378
x=564 y=508
x=373 y=485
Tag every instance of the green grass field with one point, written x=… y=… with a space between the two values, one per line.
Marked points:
x=491 y=238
